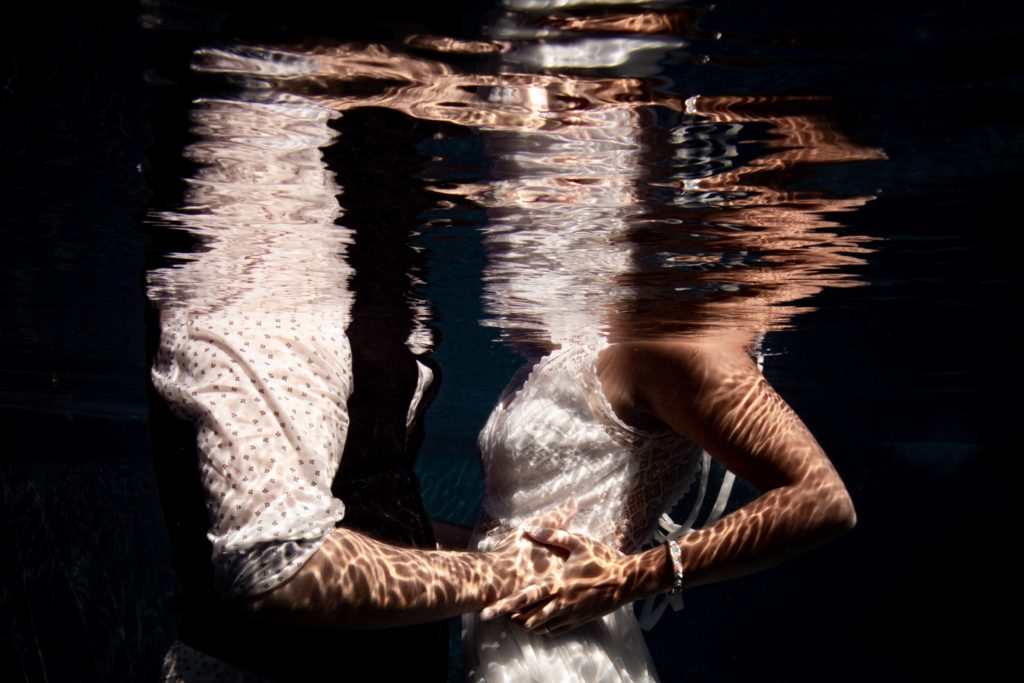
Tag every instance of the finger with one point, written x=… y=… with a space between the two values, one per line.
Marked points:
x=522 y=617
x=564 y=623
x=541 y=616
x=535 y=613
x=519 y=601
x=555 y=537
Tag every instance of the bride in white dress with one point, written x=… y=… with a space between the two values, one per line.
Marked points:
x=558 y=437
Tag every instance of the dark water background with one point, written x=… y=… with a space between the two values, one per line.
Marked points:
x=905 y=382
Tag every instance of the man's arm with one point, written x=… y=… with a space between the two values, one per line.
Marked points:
x=355 y=582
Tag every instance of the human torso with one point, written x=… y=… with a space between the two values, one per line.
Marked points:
x=557 y=437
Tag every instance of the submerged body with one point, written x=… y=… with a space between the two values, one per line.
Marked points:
x=622 y=429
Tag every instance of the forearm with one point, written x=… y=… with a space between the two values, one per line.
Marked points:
x=597 y=580
x=777 y=526
x=355 y=582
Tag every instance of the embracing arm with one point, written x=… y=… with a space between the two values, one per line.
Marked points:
x=356 y=582
x=716 y=395
x=712 y=392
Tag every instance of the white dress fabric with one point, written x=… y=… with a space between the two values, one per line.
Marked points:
x=553 y=439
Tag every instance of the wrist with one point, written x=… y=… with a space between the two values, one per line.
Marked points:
x=657 y=573
x=501 y=581
x=647 y=573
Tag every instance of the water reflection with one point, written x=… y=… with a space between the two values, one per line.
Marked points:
x=263 y=207
x=732 y=245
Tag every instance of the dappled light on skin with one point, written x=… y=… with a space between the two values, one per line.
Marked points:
x=356 y=582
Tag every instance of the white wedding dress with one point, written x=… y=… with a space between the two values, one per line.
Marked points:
x=554 y=438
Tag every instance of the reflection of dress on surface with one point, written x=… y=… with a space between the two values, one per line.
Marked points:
x=555 y=438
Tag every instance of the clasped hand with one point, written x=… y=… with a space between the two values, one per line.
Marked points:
x=565 y=579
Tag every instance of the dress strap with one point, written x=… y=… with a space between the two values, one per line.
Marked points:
x=653 y=607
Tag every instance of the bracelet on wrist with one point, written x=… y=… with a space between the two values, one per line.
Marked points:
x=675 y=556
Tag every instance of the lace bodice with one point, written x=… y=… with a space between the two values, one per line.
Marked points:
x=557 y=437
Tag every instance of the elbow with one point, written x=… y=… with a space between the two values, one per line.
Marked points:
x=840 y=513
x=826 y=508
x=848 y=516
x=828 y=504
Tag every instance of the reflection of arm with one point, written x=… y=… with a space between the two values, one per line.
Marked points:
x=798 y=140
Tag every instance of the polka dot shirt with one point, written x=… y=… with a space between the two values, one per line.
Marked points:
x=268 y=394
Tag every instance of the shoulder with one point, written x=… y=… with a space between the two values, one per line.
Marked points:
x=676 y=358
x=651 y=379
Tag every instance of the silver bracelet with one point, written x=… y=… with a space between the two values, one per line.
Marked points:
x=675 y=554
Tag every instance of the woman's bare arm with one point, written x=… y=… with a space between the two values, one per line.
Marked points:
x=716 y=396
